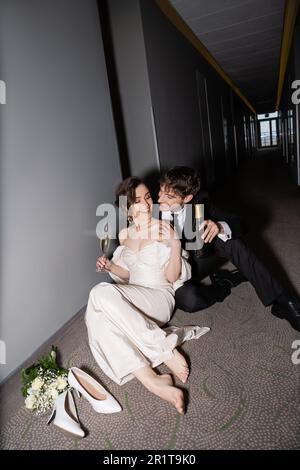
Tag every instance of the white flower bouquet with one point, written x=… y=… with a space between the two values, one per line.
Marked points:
x=43 y=382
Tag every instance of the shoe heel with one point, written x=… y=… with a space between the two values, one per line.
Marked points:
x=52 y=416
x=77 y=393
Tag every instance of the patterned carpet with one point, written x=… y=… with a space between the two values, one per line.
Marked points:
x=243 y=391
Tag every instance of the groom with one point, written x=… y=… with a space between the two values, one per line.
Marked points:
x=223 y=233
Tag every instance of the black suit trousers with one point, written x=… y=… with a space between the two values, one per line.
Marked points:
x=194 y=296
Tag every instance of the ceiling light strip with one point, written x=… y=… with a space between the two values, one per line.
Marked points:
x=290 y=15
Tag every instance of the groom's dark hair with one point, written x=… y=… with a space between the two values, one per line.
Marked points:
x=182 y=180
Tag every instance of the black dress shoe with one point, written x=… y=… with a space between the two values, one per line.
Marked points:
x=222 y=289
x=290 y=310
x=233 y=278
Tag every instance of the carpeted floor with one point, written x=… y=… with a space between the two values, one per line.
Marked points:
x=243 y=391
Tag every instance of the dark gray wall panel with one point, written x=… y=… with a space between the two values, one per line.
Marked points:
x=59 y=161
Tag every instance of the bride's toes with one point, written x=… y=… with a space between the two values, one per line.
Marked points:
x=179 y=402
x=185 y=375
x=178 y=365
x=164 y=388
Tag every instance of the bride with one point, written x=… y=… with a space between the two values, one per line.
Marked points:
x=124 y=320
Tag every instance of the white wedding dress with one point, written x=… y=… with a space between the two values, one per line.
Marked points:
x=124 y=320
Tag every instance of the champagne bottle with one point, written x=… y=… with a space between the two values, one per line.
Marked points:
x=199 y=218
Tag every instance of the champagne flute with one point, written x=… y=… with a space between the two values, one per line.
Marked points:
x=104 y=244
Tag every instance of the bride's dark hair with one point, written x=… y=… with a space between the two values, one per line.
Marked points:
x=127 y=188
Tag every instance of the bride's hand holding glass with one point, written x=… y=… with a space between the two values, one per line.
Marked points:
x=103 y=264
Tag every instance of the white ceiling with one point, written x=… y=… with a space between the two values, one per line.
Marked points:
x=244 y=36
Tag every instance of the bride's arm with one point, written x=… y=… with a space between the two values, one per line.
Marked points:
x=119 y=271
x=173 y=268
x=104 y=264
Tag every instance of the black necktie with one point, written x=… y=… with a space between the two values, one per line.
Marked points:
x=172 y=219
x=175 y=223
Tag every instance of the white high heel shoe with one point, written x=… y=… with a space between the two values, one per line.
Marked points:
x=100 y=399
x=64 y=415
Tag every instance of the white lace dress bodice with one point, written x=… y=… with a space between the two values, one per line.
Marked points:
x=147 y=266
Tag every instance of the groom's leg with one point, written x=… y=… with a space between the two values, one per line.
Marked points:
x=192 y=297
x=237 y=251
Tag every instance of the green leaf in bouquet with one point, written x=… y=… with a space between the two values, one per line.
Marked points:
x=24 y=390
x=27 y=377
x=29 y=374
x=40 y=369
x=49 y=361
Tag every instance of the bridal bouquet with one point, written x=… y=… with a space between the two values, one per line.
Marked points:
x=43 y=382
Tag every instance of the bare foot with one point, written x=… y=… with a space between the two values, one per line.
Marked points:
x=163 y=387
x=178 y=365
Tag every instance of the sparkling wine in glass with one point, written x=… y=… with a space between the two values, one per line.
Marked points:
x=104 y=244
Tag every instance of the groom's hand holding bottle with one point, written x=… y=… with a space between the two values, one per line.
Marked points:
x=212 y=229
